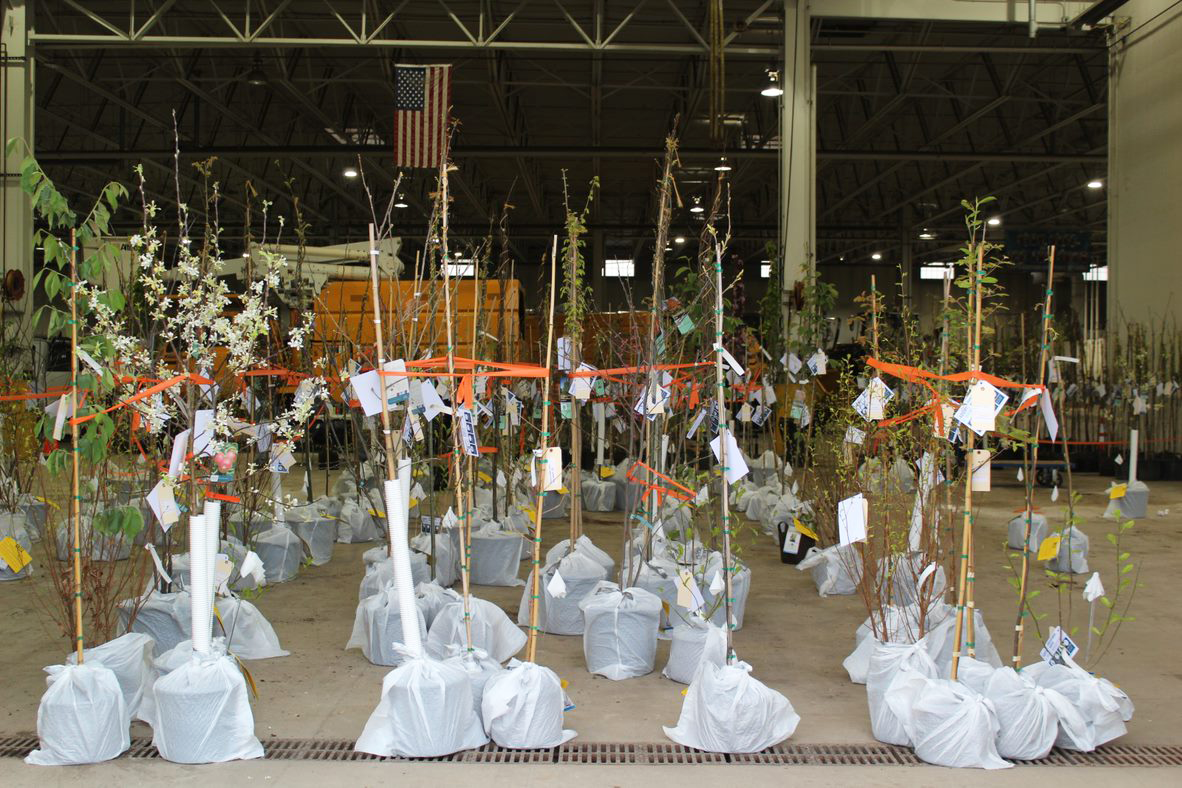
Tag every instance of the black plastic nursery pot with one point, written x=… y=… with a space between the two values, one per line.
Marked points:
x=799 y=546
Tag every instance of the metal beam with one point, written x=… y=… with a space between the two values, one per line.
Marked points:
x=501 y=151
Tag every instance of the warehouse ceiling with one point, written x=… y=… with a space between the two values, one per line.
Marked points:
x=287 y=94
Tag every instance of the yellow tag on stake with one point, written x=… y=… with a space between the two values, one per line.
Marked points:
x=13 y=554
x=1117 y=491
x=1049 y=547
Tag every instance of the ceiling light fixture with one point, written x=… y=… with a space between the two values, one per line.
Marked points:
x=350 y=172
x=926 y=235
x=697 y=206
x=256 y=76
x=1095 y=183
x=994 y=221
x=679 y=239
x=722 y=166
x=401 y=202
x=876 y=256
x=773 y=89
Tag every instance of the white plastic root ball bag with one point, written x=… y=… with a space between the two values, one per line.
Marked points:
x=14 y=526
x=492 y=631
x=377 y=628
x=1016 y=531
x=102 y=546
x=523 y=708
x=659 y=577
x=740 y=588
x=585 y=546
x=281 y=551
x=620 y=631
x=431 y=598
x=129 y=657
x=836 y=570
x=1104 y=708
x=447 y=556
x=694 y=641
x=941 y=638
x=1073 y=553
x=425 y=711
x=203 y=713
x=599 y=495
x=1027 y=714
x=891 y=663
x=356 y=524
x=894 y=624
x=561 y=615
x=950 y=724
x=496 y=555
x=82 y=717
x=727 y=710
x=248 y=633
x=162 y=617
x=318 y=532
x=479 y=666
x=900 y=572
x=380 y=575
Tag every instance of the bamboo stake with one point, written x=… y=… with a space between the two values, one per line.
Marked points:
x=381 y=360
x=966 y=539
x=720 y=382
x=1032 y=471
x=536 y=559
x=75 y=503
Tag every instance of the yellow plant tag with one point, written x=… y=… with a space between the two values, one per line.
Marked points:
x=804 y=529
x=1049 y=547
x=606 y=472
x=484 y=477
x=530 y=512
x=48 y=502
x=563 y=491
x=413 y=503
x=375 y=513
x=13 y=554
x=564 y=683
x=1117 y=491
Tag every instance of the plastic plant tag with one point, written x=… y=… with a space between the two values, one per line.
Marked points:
x=557 y=586
x=1117 y=491
x=791 y=543
x=689 y=595
x=982 y=467
x=564 y=353
x=804 y=529
x=852 y=514
x=550 y=465
x=717 y=584
x=13 y=555
x=817 y=363
x=794 y=363
x=697 y=422
x=467 y=426
x=730 y=360
x=684 y=324
x=1058 y=645
x=736 y=466
x=163 y=505
x=854 y=435
x=1049 y=547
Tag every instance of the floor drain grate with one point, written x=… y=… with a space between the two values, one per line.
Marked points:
x=658 y=753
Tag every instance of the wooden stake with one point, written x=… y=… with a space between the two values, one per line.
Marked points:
x=531 y=650
x=720 y=395
x=1032 y=471
x=377 y=331
x=75 y=502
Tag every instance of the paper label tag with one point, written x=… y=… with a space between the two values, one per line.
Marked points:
x=804 y=529
x=792 y=542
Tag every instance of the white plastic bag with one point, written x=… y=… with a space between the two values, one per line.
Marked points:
x=941 y=638
x=1016 y=531
x=102 y=546
x=1027 y=714
x=281 y=551
x=894 y=625
x=585 y=546
x=599 y=495
x=492 y=630
x=728 y=710
x=162 y=617
x=380 y=575
x=248 y=633
x=479 y=666
x=129 y=657
x=377 y=628
x=523 y=707
x=447 y=560
x=716 y=603
x=203 y=713
x=1104 y=708
x=495 y=556
x=318 y=532
x=562 y=615
x=900 y=572
x=82 y=717
x=356 y=524
x=950 y=724
x=1073 y=553
x=891 y=664
x=659 y=577
x=836 y=570
x=694 y=641
x=620 y=631
x=425 y=711
x=432 y=598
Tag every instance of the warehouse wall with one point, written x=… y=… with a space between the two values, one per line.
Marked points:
x=1145 y=166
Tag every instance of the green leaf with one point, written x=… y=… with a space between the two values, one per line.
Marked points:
x=1127 y=568
x=1106 y=602
x=1111 y=538
x=1124 y=557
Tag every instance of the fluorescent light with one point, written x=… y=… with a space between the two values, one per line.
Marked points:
x=350 y=172
x=619 y=267
x=401 y=203
x=765 y=269
x=926 y=235
x=1097 y=273
x=462 y=267
x=994 y=221
x=679 y=239
x=697 y=206
x=876 y=256
x=1096 y=183
x=936 y=271
x=722 y=166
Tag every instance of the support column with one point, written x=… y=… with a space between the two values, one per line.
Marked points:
x=16 y=213
x=797 y=151
x=1144 y=165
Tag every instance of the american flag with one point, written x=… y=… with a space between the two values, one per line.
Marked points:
x=422 y=105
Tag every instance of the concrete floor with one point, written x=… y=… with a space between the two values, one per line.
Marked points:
x=794 y=639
